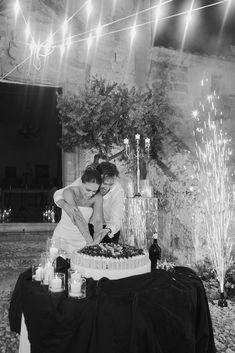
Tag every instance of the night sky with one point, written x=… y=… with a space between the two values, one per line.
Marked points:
x=206 y=33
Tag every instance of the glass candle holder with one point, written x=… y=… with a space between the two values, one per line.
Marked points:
x=53 y=246
x=57 y=282
x=77 y=288
x=74 y=274
x=48 y=268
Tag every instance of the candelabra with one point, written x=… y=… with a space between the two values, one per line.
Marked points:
x=137 y=155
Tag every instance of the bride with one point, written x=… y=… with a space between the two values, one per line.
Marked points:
x=81 y=205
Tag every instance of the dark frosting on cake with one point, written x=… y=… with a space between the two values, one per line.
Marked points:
x=111 y=250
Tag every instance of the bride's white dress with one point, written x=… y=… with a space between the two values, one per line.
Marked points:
x=67 y=231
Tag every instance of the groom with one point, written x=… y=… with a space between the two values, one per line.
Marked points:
x=113 y=203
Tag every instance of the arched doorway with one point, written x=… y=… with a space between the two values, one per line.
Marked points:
x=30 y=159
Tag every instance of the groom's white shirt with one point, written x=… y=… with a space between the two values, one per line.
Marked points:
x=113 y=205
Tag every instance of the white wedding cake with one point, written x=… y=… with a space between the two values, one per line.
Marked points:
x=111 y=260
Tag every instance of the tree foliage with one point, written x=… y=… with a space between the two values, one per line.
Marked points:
x=102 y=114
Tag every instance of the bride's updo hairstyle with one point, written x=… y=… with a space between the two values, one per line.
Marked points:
x=91 y=175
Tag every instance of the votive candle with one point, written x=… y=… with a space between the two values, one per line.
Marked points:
x=56 y=284
x=75 y=289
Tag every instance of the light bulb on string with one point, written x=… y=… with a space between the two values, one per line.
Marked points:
x=133 y=33
x=88 y=8
x=98 y=31
x=188 y=18
x=64 y=28
x=17 y=8
x=27 y=31
x=158 y=13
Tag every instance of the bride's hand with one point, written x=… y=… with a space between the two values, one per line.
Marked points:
x=75 y=215
x=90 y=242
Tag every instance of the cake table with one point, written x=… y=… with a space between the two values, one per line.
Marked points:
x=154 y=312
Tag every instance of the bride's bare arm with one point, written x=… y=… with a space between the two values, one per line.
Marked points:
x=75 y=214
x=97 y=218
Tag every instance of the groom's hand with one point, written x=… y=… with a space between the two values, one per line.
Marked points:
x=99 y=236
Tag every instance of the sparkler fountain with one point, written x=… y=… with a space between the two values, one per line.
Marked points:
x=213 y=154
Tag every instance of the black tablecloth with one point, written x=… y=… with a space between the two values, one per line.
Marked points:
x=158 y=312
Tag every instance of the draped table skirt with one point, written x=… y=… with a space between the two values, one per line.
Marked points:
x=159 y=312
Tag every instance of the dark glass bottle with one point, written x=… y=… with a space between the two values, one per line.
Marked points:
x=222 y=301
x=154 y=252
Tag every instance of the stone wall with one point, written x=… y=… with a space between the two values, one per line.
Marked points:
x=188 y=244
x=186 y=72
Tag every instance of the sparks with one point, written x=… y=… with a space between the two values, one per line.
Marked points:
x=213 y=155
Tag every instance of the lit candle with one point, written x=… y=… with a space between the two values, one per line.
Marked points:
x=126 y=141
x=147 y=142
x=75 y=289
x=48 y=271
x=137 y=137
x=56 y=284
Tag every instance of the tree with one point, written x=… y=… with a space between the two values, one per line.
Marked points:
x=102 y=114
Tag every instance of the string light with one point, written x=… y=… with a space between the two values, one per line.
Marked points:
x=89 y=8
x=89 y=42
x=88 y=5
x=15 y=67
x=188 y=20
x=64 y=28
x=157 y=16
x=27 y=31
x=133 y=33
x=98 y=31
x=148 y=22
x=17 y=8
